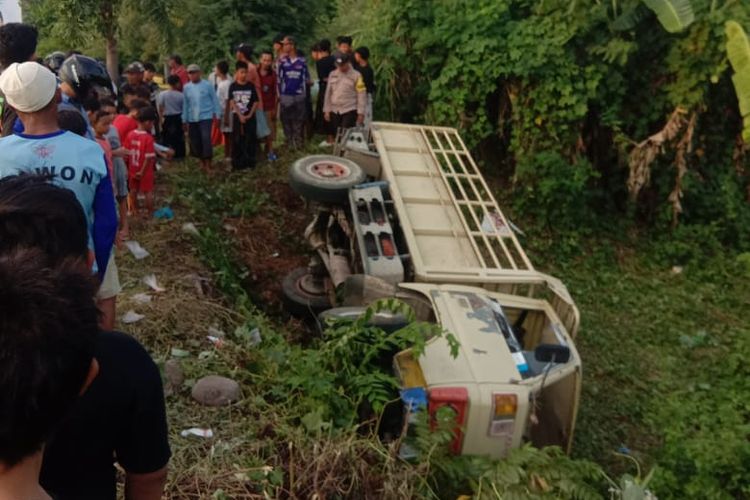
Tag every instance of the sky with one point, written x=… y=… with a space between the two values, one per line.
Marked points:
x=11 y=11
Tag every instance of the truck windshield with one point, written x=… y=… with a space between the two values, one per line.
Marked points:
x=514 y=345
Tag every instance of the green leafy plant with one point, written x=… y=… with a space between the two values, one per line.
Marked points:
x=629 y=18
x=73 y=22
x=551 y=188
x=674 y=15
x=738 y=51
x=361 y=353
x=707 y=442
x=631 y=487
x=526 y=472
x=743 y=260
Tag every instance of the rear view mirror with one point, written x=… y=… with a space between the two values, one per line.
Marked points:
x=552 y=353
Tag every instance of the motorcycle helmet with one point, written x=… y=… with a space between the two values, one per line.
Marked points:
x=86 y=75
x=54 y=61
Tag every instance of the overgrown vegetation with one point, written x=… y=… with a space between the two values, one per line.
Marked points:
x=569 y=100
x=330 y=394
x=662 y=346
x=201 y=32
x=660 y=351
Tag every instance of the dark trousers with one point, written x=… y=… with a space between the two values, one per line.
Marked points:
x=343 y=120
x=309 y=116
x=244 y=143
x=199 y=134
x=173 y=135
x=321 y=125
x=293 y=114
x=157 y=125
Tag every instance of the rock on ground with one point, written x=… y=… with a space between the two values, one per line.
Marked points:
x=173 y=373
x=216 y=391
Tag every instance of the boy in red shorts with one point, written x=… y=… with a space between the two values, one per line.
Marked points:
x=142 y=160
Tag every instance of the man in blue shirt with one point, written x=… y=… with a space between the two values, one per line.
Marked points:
x=294 y=78
x=74 y=162
x=200 y=107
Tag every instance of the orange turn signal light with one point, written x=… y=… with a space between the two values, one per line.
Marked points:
x=505 y=405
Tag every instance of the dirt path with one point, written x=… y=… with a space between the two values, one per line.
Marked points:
x=178 y=321
x=282 y=247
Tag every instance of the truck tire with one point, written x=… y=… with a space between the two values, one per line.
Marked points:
x=387 y=321
x=325 y=178
x=300 y=298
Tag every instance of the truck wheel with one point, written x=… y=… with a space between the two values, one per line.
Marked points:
x=302 y=295
x=385 y=320
x=325 y=178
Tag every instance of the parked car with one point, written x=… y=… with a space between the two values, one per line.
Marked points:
x=403 y=211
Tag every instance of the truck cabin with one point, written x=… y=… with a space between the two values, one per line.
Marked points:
x=515 y=379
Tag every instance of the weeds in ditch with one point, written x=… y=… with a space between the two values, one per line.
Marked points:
x=307 y=423
x=664 y=374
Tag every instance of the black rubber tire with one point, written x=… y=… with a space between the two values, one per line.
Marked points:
x=315 y=187
x=385 y=320
x=299 y=302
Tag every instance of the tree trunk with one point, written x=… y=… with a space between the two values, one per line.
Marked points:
x=113 y=60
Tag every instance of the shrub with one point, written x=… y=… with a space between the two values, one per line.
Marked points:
x=553 y=190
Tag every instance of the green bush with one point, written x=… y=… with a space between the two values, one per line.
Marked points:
x=559 y=90
x=687 y=245
x=551 y=189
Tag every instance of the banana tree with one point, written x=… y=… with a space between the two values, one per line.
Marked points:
x=674 y=15
x=738 y=51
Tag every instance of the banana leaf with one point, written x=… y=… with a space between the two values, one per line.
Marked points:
x=674 y=15
x=738 y=52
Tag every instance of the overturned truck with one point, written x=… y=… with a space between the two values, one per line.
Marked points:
x=403 y=211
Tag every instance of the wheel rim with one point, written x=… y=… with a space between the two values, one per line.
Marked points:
x=328 y=170
x=307 y=285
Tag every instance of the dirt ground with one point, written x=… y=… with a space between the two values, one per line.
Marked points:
x=282 y=248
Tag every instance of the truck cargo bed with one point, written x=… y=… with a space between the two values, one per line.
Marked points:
x=451 y=221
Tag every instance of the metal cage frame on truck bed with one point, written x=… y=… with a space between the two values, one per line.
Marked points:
x=447 y=164
x=452 y=223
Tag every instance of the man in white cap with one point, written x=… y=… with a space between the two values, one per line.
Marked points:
x=74 y=162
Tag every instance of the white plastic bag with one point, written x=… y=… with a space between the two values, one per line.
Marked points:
x=132 y=317
x=137 y=250
x=150 y=280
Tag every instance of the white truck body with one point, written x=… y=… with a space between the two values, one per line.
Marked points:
x=453 y=226
x=430 y=228
x=459 y=239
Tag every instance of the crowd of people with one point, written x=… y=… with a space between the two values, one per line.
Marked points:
x=78 y=153
x=240 y=104
x=254 y=96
